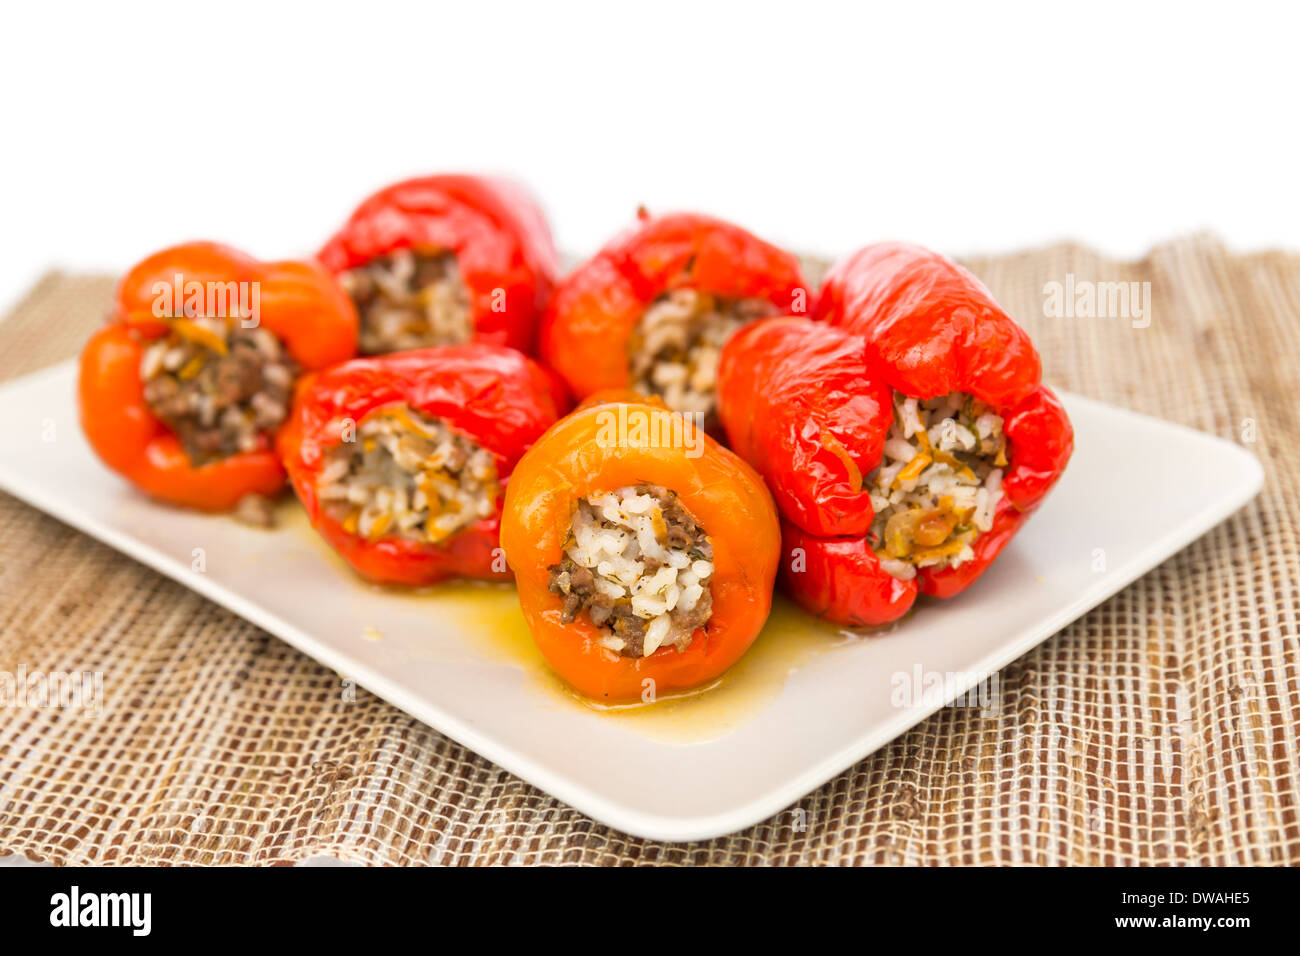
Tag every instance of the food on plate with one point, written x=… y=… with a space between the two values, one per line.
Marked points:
x=906 y=437
x=185 y=388
x=445 y=260
x=644 y=552
x=401 y=460
x=652 y=310
x=899 y=422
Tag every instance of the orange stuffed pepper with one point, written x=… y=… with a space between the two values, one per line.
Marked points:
x=186 y=387
x=644 y=552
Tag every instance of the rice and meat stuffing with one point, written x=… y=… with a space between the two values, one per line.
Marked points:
x=410 y=299
x=639 y=565
x=218 y=386
x=674 y=350
x=408 y=475
x=938 y=484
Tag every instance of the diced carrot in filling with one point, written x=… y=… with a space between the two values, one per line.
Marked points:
x=674 y=350
x=637 y=563
x=408 y=475
x=410 y=300
x=219 y=386
x=938 y=484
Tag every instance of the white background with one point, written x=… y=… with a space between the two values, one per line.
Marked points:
x=821 y=126
x=818 y=126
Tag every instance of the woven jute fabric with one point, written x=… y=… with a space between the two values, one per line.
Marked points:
x=1160 y=728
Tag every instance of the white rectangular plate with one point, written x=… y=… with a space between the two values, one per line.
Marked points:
x=802 y=706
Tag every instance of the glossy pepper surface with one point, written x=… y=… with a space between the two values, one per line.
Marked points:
x=300 y=303
x=588 y=329
x=930 y=326
x=498 y=233
x=495 y=396
x=811 y=405
x=722 y=492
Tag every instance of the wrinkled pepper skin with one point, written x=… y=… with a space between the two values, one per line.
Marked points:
x=930 y=326
x=795 y=399
x=299 y=302
x=491 y=394
x=497 y=231
x=810 y=405
x=840 y=579
x=720 y=490
x=587 y=329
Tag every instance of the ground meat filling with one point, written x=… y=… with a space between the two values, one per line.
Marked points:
x=938 y=484
x=640 y=566
x=219 y=386
x=673 y=352
x=410 y=300
x=408 y=475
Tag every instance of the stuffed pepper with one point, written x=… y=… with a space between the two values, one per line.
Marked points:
x=652 y=310
x=644 y=552
x=401 y=460
x=445 y=260
x=185 y=388
x=906 y=437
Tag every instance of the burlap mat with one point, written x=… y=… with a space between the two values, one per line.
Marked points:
x=1160 y=728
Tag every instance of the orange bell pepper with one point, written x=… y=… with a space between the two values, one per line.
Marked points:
x=585 y=454
x=299 y=303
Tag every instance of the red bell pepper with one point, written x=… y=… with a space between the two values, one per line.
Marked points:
x=589 y=333
x=811 y=406
x=496 y=232
x=299 y=303
x=930 y=326
x=492 y=396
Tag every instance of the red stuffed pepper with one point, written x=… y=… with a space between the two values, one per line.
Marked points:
x=905 y=439
x=183 y=391
x=445 y=260
x=401 y=461
x=652 y=310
